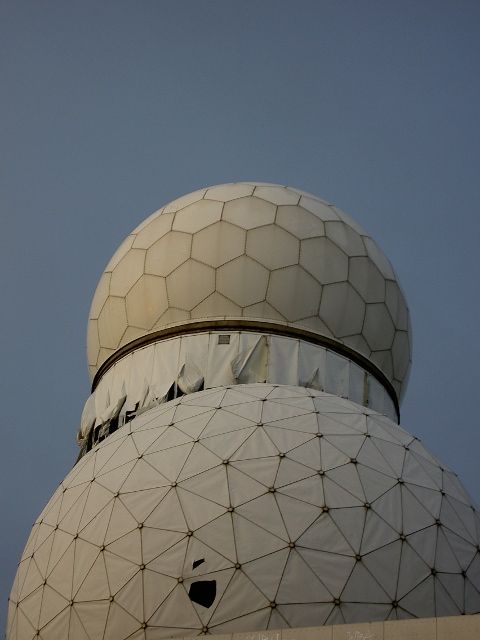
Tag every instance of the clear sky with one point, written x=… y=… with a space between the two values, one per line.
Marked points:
x=110 y=109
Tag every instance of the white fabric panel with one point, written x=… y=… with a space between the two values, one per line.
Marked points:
x=337 y=374
x=251 y=363
x=283 y=360
x=145 y=376
x=190 y=378
x=88 y=417
x=220 y=358
x=311 y=365
x=166 y=365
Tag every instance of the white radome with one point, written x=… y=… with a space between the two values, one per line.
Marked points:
x=236 y=477
x=251 y=250
x=242 y=508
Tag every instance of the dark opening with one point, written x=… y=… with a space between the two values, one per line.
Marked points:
x=197 y=562
x=203 y=592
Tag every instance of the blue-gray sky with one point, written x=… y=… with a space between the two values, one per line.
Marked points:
x=109 y=109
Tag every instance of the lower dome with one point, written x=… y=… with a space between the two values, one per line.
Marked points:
x=247 y=508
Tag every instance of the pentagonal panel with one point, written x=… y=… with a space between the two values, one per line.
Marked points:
x=127 y=272
x=378 y=329
x=146 y=301
x=198 y=215
x=342 y=309
x=299 y=222
x=294 y=293
x=272 y=246
x=367 y=279
x=218 y=244
x=189 y=284
x=243 y=281
x=168 y=253
x=112 y=322
x=249 y=213
x=324 y=260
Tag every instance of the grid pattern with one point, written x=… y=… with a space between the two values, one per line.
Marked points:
x=253 y=251
x=246 y=508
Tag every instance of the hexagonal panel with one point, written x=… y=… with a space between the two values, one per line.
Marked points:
x=120 y=252
x=242 y=280
x=112 y=322
x=197 y=216
x=342 y=309
x=131 y=333
x=227 y=192
x=272 y=246
x=345 y=237
x=315 y=324
x=189 y=284
x=171 y=316
x=378 y=329
x=395 y=301
x=379 y=258
x=349 y=220
x=127 y=272
x=277 y=195
x=319 y=208
x=147 y=221
x=218 y=244
x=93 y=344
x=294 y=293
x=249 y=212
x=103 y=355
x=383 y=360
x=299 y=222
x=358 y=343
x=401 y=354
x=158 y=227
x=324 y=260
x=101 y=294
x=262 y=310
x=216 y=305
x=184 y=201
x=146 y=301
x=168 y=253
x=367 y=279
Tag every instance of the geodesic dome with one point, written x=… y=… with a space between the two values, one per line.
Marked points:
x=250 y=507
x=254 y=251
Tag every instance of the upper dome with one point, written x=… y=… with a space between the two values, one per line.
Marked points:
x=253 y=251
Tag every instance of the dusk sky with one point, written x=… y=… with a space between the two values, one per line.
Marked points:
x=111 y=109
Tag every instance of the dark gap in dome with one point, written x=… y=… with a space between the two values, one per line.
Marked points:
x=196 y=563
x=203 y=592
